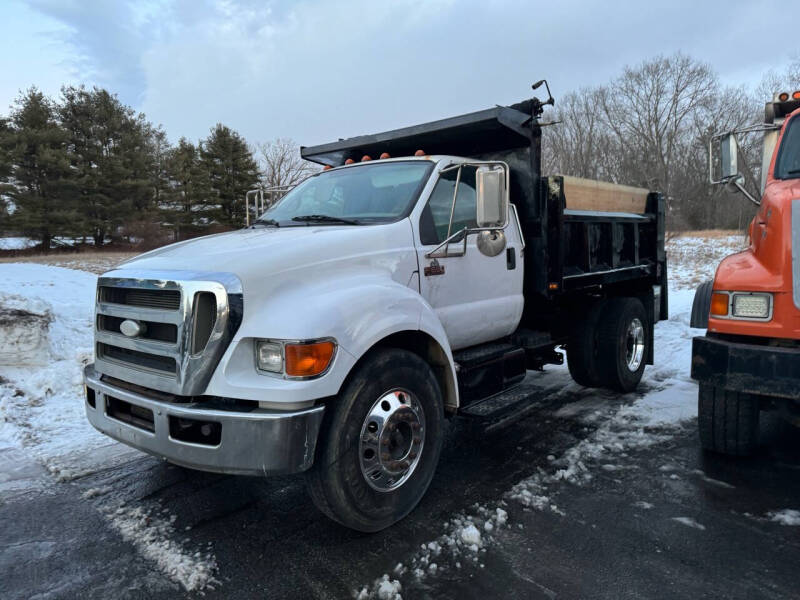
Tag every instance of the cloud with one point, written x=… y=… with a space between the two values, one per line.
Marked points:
x=316 y=70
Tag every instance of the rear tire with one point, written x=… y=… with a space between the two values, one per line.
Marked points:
x=727 y=421
x=583 y=348
x=624 y=343
x=412 y=425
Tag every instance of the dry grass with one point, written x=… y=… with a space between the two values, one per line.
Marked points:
x=710 y=234
x=94 y=262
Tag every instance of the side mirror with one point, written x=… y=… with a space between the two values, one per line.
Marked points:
x=492 y=197
x=729 y=157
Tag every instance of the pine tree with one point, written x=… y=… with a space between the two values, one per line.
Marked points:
x=42 y=193
x=112 y=158
x=232 y=171
x=185 y=206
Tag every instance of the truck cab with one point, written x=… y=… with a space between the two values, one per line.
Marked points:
x=418 y=276
x=749 y=359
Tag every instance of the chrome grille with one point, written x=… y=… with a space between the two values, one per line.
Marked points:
x=186 y=321
x=161 y=299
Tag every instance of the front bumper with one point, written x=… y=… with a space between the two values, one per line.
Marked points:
x=258 y=442
x=750 y=368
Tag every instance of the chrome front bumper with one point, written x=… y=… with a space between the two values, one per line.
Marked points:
x=258 y=442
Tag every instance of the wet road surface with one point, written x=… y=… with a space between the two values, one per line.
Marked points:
x=662 y=520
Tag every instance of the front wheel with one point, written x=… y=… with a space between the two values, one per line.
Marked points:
x=380 y=442
x=727 y=421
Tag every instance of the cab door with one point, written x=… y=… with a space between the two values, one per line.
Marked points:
x=478 y=298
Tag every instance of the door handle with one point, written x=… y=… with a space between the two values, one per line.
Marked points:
x=511 y=259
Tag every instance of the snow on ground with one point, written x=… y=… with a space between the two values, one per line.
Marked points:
x=41 y=405
x=153 y=536
x=42 y=411
x=786 y=516
x=16 y=243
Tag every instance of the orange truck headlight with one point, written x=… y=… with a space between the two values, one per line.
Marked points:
x=719 y=304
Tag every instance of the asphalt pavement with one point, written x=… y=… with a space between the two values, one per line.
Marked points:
x=658 y=521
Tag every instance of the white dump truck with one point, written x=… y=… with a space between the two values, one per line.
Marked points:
x=418 y=277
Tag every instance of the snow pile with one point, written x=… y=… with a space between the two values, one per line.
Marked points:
x=786 y=516
x=152 y=535
x=42 y=407
x=465 y=538
x=24 y=325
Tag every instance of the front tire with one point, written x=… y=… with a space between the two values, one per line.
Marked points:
x=380 y=442
x=727 y=421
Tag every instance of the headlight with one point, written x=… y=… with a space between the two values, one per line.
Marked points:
x=269 y=356
x=756 y=306
x=751 y=306
x=295 y=359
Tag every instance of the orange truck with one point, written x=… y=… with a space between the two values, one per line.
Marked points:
x=749 y=359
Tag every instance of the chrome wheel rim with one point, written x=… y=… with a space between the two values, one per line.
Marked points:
x=634 y=345
x=391 y=441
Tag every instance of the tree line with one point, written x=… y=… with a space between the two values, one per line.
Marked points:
x=89 y=168
x=650 y=127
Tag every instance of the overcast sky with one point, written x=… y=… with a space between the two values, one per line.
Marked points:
x=316 y=71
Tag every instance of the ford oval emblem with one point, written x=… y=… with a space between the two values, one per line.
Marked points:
x=130 y=328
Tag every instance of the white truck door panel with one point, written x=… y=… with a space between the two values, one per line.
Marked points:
x=477 y=298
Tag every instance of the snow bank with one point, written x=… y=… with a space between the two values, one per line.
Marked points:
x=42 y=406
x=24 y=327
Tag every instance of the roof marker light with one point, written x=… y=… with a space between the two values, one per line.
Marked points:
x=385 y=155
x=327 y=167
x=365 y=158
x=796 y=95
x=419 y=153
x=349 y=161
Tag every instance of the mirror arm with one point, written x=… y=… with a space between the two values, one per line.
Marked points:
x=738 y=183
x=453 y=205
x=448 y=240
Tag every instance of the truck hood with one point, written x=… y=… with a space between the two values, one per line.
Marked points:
x=257 y=255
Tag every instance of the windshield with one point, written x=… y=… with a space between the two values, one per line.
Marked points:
x=788 y=164
x=367 y=193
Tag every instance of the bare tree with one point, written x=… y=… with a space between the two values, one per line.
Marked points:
x=281 y=164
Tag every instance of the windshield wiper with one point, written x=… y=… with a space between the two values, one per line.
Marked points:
x=265 y=223
x=324 y=219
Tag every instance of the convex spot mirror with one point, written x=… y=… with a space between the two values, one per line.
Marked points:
x=492 y=197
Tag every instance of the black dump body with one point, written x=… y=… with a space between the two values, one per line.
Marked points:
x=569 y=254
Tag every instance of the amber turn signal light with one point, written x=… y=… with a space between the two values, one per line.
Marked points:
x=308 y=360
x=796 y=95
x=719 y=304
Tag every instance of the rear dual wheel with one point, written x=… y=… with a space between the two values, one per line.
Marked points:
x=380 y=442
x=610 y=345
